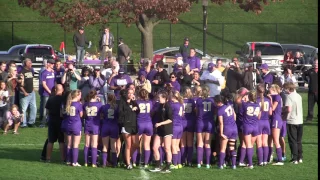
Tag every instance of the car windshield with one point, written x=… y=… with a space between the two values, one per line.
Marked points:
x=39 y=50
x=269 y=49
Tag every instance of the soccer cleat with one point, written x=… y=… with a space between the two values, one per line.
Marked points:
x=86 y=165
x=155 y=170
x=208 y=166
x=284 y=158
x=242 y=164
x=94 y=166
x=234 y=167
x=166 y=169
x=180 y=166
x=129 y=167
x=199 y=166
x=300 y=161
x=294 y=162
x=134 y=165
x=76 y=165
x=68 y=163
x=173 y=166
x=224 y=165
x=220 y=167
x=265 y=163
x=278 y=164
x=261 y=164
x=249 y=167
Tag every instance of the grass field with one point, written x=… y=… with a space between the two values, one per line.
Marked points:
x=225 y=39
x=19 y=157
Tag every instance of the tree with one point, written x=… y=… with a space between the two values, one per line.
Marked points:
x=145 y=14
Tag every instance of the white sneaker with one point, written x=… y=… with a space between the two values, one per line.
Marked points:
x=300 y=161
x=155 y=170
x=76 y=165
x=278 y=164
x=129 y=167
x=294 y=162
x=265 y=163
x=248 y=167
x=242 y=165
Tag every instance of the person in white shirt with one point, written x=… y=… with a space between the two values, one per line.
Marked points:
x=213 y=79
x=287 y=76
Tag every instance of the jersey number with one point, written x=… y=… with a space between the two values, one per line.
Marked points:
x=228 y=110
x=72 y=111
x=110 y=113
x=144 y=108
x=251 y=111
x=206 y=106
x=92 y=111
x=187 y=107
x=265 y=106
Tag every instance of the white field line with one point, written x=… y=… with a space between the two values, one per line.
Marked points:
x=144 y=175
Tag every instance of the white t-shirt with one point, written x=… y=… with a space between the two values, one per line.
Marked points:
x=106 y=73
x=213 y=76
x=3 y=94
x=294 y=101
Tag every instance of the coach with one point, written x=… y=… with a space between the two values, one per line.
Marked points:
x=311 y=76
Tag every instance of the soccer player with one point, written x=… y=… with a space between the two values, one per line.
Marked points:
x=109 y=130
x=145 y=126
x=276 y=121
x=189 y=123
x=177 y=113
x=228 y=130
x=92 y=118
x=204 y=126
x=264 y=125
x=251 y=112
x=74 y=112
x=164 y=132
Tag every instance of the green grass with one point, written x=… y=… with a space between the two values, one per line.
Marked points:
x=223 y=42
x=19 y=157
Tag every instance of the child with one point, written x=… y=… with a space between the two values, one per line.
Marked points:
x=13 y=116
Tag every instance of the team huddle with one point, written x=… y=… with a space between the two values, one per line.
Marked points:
x=164 y=128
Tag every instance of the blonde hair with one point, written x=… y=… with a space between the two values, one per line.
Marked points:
x=111 y=99
x=176 y=95
x=187 y=68
x=252 y=96
x=275 y=88
x=11 y=69
x=188 y=93
x=205 y=92
x=198 y=91
x=73 y=94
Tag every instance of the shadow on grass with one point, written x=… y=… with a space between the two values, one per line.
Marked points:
x=310 y=124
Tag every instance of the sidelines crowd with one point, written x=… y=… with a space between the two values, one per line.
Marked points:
x=156 y=117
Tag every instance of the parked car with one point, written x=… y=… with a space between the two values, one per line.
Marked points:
x=271 y=53
x=306 y=50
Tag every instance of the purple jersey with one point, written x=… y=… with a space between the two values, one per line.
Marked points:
x=277 y=112
x=145 y=109
x=189 y=106
x=265 y=108
x=58 y=75
x=48 y=77
x=205 y=109
x=177 y=113
x=155 y=107
x=251 y=112
x=227 y=113
x=92 y=113
x=175 y=86
x=120 y=81
x=74 y=120
x=109 y=114
x=194 y=62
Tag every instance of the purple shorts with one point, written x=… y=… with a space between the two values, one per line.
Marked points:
x=111 y=130
x=283 y=130
x=177 y=132
x=231 y=132
x=251 y=129
x=239 y=126
x=73 y=133
x=277 y=123
x=204 y=127
x=191 y=126
x=91 y=129
x=184 y=125
x=264 y=127
x=145 y=128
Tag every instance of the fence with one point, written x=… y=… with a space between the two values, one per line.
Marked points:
x=222 y=38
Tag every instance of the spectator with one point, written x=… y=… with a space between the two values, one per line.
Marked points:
x=10 y=64
x=4 y=99
x=220 y=68
x=58 y=71
x=12 y=84
x=97 y=82
x=196 y=80
x=184 y=50
x=70 y=77
x=184 y=78
x=298 y=58
x=160 y=78
x=287 y=76
x=142 y=82
x=12 y=117
x=212 y=78
x=233 y=76
x=124 y=53
x=194 y=61
x=178 y=66
x=293 y=107
x=79 y=41
x=83 y=84
x=257 y=57
x=173 y=84
x=288 y=59
x=27 y=96
x=119 y=82
x=145 y=65
x=248 y=77
x=107 y=69
x=106 y=44
x=3 y=73
x=47 y=83
x=311 y=77
x=266 y=77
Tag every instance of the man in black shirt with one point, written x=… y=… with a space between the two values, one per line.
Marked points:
x=311 y=77
x=160 y=78
x=233 y=76
x=3 y=73
x=27 y=96
x=79 y=41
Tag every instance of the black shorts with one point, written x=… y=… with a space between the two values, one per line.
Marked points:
x=166 y=130
x=55 y=133
x=132 y=130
